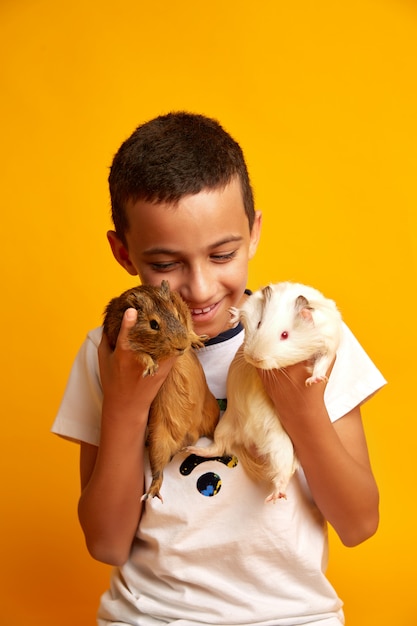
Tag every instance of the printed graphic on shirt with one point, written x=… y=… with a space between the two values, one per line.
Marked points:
x=208 y=484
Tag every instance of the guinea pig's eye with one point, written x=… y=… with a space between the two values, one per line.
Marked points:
x=284 y=335
x=154 y=325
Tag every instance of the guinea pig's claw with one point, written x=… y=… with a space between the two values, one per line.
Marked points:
x=150 y=370
x=273 y=497
x=192 y=450
x=149 y=494
x=312 y=380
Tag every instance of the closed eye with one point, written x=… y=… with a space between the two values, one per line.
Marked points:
x=223 y=258
x=164 y=267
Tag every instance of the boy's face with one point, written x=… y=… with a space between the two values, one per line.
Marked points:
x=201 y=245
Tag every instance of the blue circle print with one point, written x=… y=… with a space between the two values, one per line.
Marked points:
x=209 y=484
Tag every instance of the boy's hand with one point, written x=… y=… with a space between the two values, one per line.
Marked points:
x=295 y=402
x=333 y=455
x=125 y=391
x=112 y=474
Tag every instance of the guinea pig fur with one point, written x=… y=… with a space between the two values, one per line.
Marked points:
x=184 y=409
x=285 y=323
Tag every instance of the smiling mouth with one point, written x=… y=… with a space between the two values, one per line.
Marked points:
x=207 y=309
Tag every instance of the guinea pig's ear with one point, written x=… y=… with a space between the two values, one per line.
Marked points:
x=165 y=290
x=303 y=308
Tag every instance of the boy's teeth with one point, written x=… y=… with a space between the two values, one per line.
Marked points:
x=199 y=311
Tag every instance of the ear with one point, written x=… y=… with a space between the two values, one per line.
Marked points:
x=303 y=308
x=165 y=290
x=255 y=234
x=120 y=252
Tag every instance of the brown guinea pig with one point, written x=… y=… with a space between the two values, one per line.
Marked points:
x=184 y=409
x=163 y=327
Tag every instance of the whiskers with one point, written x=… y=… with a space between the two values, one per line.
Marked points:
x=274 y=377
x=239 y=358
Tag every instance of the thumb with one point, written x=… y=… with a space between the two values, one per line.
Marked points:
x=128 y=321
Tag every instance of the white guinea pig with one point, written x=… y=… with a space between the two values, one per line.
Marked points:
x=285 y=323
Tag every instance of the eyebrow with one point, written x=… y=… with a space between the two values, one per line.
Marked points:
x=217 y=244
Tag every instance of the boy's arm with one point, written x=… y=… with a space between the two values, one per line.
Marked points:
x=112 y=475
x=334 y=456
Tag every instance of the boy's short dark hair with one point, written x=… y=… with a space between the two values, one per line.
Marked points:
x=171 y=156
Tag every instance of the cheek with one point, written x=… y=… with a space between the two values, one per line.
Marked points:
x=148 y=277
x=236 y=278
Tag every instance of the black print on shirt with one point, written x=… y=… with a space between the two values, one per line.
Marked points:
x=208 y=484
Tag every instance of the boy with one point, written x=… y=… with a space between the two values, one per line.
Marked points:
x=183 y=210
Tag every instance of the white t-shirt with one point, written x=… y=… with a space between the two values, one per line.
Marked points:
x=213 y=552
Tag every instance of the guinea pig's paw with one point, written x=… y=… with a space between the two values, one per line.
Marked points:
x=274 y=496
x=312 y=380
x=151 y=367
x=234 y=315
x=197 y=341
x=148 y=495
x=153 y=491
x=204 y=452
x=193 y=450
x=280 y=484
x=200 y=340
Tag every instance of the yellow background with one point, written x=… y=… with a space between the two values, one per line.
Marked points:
x=322 y=97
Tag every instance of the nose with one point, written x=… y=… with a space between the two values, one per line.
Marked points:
x=199 y=286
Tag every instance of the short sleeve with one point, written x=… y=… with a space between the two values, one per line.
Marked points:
x=79 y=415
x=354 y=377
